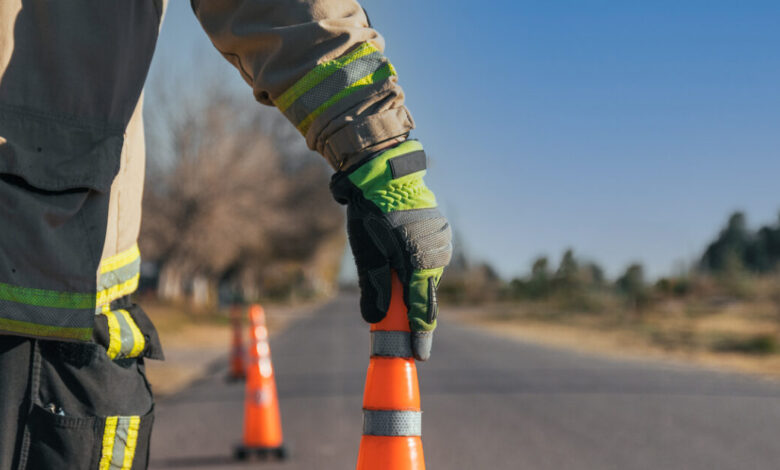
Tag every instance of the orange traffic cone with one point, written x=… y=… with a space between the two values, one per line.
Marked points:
x=262 y=423
x=237 y=371
x=391 y=401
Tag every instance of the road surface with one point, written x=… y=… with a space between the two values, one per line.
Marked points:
x=489 y=403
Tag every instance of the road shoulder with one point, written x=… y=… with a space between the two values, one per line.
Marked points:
x=615 y=343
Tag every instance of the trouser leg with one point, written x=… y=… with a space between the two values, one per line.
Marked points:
x=15 y=363
x=88 y=411
x=70 y=406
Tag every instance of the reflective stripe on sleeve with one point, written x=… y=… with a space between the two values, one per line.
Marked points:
x=391 y=343
x=392 y=423
x=124 y=337
x=330 y=82
x=119 y=275
x=114 y=335
x=138 y=338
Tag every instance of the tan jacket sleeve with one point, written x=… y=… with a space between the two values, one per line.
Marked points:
x=320 y=63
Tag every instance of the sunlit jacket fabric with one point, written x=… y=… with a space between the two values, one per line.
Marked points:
x=71 y=130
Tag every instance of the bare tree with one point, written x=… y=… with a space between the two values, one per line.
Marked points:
x=231 y=196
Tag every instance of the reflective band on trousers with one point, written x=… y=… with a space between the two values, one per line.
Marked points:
x=391 y=343
x=120 y=437
x=392 y=423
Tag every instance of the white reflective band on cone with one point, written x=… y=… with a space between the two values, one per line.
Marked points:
x=391 y=343
x=392 y=423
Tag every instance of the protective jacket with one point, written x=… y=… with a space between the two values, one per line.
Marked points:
x=71 y=131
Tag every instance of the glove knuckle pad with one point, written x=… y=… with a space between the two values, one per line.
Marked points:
x=429 y=242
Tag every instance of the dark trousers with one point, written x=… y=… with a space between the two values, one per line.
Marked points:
x=68 y=406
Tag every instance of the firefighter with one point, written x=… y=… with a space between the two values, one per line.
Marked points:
x=72 y=344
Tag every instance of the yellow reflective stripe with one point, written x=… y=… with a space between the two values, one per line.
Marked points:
x=118 y=276
x=138 y=337
x=114 y=336
x=120 y=290
x=132 y=440
x=124 y=441
x=374 y=77
x=109 y=437
x=119 y=260
x=45 y=298
x=320 y=73
x=44 y=331
x=121 y=333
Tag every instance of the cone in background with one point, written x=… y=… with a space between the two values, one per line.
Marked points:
x=262 y=423
x=391 y=401
x=237 y=371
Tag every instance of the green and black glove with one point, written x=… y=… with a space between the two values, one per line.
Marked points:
x=393 y=223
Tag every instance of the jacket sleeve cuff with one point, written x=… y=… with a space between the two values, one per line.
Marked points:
x=359 y=136
x=348 y=105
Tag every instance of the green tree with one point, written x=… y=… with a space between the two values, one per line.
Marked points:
x=763 y=255
x=632 y=285
x=568 y=271
x=539 y=285
x=595 y=274
x=732 y=242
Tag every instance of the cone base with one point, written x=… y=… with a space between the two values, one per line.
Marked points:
x=262 y=427
x=235 y=378
x=247 y=452
x=390 y=453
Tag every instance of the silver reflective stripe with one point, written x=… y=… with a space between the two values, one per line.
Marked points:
x=126 y=338
x=391 y=343
x=118 y=454
x=120 y=438
x=333 y=84
x=120 y=275
x=392 y=423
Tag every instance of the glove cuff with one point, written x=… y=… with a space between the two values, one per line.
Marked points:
x=421 y=345
x=405 y=158
x=342 y=189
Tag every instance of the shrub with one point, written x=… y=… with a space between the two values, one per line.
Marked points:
x=763 y=344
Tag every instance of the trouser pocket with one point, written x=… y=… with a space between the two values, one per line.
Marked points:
x=62 y=441
x=67 y=442
x=90 y=412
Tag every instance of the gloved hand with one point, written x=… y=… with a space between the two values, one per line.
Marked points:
x=393 y=223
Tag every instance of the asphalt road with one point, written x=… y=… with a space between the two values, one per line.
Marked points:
x=489 y=403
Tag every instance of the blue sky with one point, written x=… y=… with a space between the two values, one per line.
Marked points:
x=626 y=130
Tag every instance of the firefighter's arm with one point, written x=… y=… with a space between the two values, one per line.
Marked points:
x=320 y=63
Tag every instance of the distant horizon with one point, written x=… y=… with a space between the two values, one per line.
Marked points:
x=680 y=267
x=628 y=133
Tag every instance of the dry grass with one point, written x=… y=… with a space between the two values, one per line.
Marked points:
x=728 y=334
